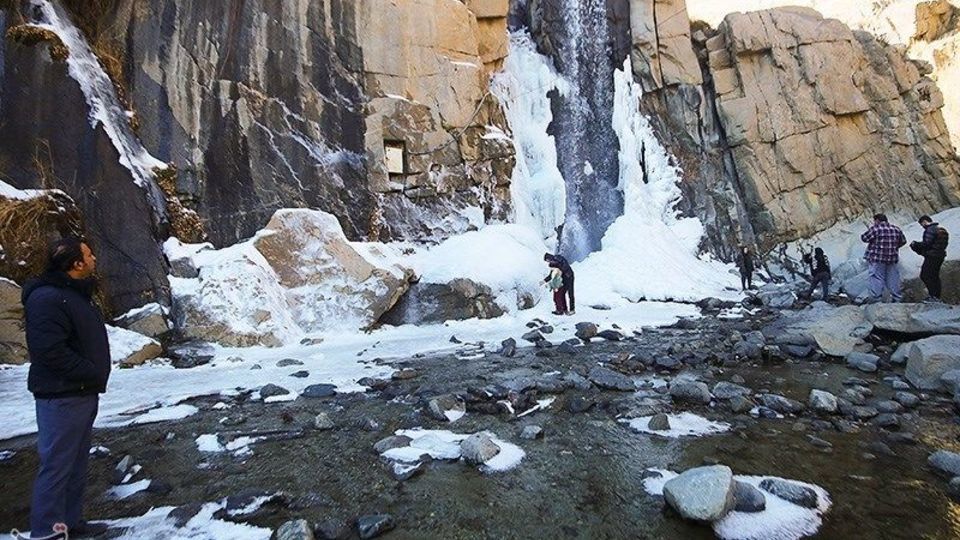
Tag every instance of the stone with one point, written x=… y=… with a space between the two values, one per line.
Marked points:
x=727 y=390
x=914 y=319
x=446 y=408
x=668 y=363
x=586 y=330
x=610 y=335
x=690 y=391
x=316 y=391
x=128 y=348
x=790 y=491
x=391 y=442
x=863 y=361
x=950 y=381
x=508 y=348
x=181 y=515
x=566 y=348
x=457 y=299
x=797 y=351
x=332 y=529
x=781 y=404
x=13 y=338
x=704 y=494
x=837 y=331
x=945 y=462
x=286 y=362
x=302 y=374
x=579 y=404
x=888 y=406
x=323 y=422
x=149 y=320
x=610 y=380
x=270 y=390
x=533 y=336
x=928 y=359
x=906 y=399
x=372 y=526
x=886 y=420
x=659 y=422
x=741 y=404
x=822 y=401
x=953 y=488
x=479 y=448
x=298 y=529
x=531 y=432
x=123 y=467
x=747 y=498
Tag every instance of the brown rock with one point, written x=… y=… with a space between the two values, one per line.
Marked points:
x=13 y=340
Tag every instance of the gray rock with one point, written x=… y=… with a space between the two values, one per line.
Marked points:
x=741 y=404
x=797 y=351
x=440 y=405
x=690 y=391
x=297 y=529
x=863 y=361
x=950 y=381
x=703 y=494
x=407 y=472
x=855 y=395
x=181 y=515
x=391 y=442
x=886 y=420
x=737 y=379
x=822 y=401
x=748 y=498
x=667 y=362
x=479 y=448
x=781 y=404
x=533 y=336
x=286 y=362
x=302 y=374
x=579 y=404
x=374 y=525
x=915 y=318
x=610 y=380
x=906 y=399
x=747 y=349
x=316 y=391
x=888 y=406
x=508 y=347
x=945 y=462
x=790 y=491
x=323 y=422
x=727 y=390
x=610 y=335
x=531 y=432
x=953 y=488
x=270 y=390
x=566 y=348
x=577 y=381
x=818 y=442
x=659 y=422
x=859 y=412
x=928 y=359
x=755 y=337
x=586 y=330
x=332 y=529
x=779 y=298
x=899 y=385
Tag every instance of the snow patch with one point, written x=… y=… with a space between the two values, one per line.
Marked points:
x=124 y=343
x=165 y=414
x=685 y=424
x=127 y=490
x=203 y=526
x=445 y=445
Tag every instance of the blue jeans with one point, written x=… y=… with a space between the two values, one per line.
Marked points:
x=64 y=426
x=885 y=275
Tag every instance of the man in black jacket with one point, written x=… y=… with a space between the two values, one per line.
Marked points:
x=566 y=272
x=933 y=248
x=69 y=368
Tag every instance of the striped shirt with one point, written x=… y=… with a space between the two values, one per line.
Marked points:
x=883 y=242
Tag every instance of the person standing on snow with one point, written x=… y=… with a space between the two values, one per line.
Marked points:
x=566 y=271
x=745 y=263
x=554 y=281
x=933 y=249
x=69 y=367
x=883 y=245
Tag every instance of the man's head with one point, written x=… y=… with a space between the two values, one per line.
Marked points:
x=547 y=257
x=880 y=218
x=73 y=257
x=925 y=221
x=818 y=252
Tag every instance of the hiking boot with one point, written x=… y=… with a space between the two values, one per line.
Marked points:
x=932 y=300
x=572 y=312
x=85 y=529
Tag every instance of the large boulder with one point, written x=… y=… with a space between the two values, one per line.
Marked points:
x=702 y=494
x=331 y=283
x=928 y=359
x=149 y=320
x=129 y=348
x=438 y=302
x=13 y=340
x=837 y=331
x=914 y=318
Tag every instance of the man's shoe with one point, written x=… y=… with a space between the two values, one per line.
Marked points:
x=932 y=300
x=85 y=529
x=572 y=312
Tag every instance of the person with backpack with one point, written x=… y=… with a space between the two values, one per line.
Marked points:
x=566 y=272
x=933 y=249
x=884 y=241
x=819 y=272
x=554 y=281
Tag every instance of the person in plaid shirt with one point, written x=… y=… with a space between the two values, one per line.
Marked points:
x=883 y=245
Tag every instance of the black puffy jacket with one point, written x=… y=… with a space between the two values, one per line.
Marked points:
x=66 y=337
x=935 y=241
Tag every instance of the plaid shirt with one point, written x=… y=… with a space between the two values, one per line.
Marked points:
x=883 y=242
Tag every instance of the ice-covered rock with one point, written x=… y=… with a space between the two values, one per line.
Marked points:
x=702 y=493
x=798 y=494
x=130 y=348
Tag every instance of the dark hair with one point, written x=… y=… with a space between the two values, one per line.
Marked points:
x=64 y=253
x=547 y=257
x=818 y=251
x=880 y=217
x=924 y=218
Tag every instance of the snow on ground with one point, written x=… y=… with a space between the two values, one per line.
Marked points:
x=132 y=393
x=782 y=520
x=9 y=192
x=203 y=526
x=684 y=424
x=445 y=445
x=127 y=490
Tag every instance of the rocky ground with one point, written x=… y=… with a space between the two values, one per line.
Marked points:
x=865 y=437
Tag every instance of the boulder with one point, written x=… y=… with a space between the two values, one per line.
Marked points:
x=822 y=401
x=298 y=529
x=270 y=390
x=837 y=331
x=479 y=448
x=659 y=422
x=863 y=361
x=316 y=391
x=728 y=390
x=446 y=408
x=747 y=498
x=391 y=442
x=928 y=359
x=741 y=404
x=703 y=494
x=373 y=526
x=13 y=339
x=920 y=319
x=586 y=330
x=610 y=380
x=149 y=320
x=129 y=349
x=690 y=391
x=945 y=462
x=777 y=298
x=790 y=491
x=781 y=404
x=459 y=299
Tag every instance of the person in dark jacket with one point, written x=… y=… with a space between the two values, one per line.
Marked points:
x=69 y=367
x=933 y=248
x=745 y=263
x=819 y=272
x=559 y=261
